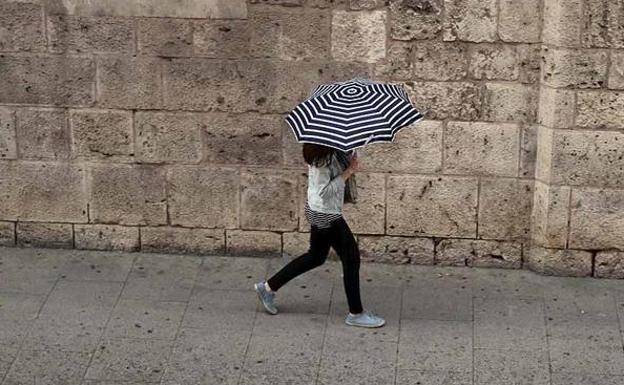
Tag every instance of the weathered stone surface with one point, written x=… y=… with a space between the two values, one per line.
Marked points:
x=7 y=233
x=603 y=24
x=494 y=62
x=588 y=158
x=269 y=199
x=169 y=137
x=129 y=82
x=253 y=243
x=597 y=219
x=415 y=149
x=179 y=240
x=602 y=109
x=228 y=39
x=49 y=235
x=447 y=100
x=528 y=151
x=549 y=216
x=397 y=65
x=530 y=60
x=509 y=102
x=359 y=36
x=216 y=9
x=470 y=20
x=165 y=37
x=415 y=19
x=244 y=138
x=399 y=250
x=543 y=163
x=437 y=206
x=37 y=191
x=574 y=68
x=366 y=4
x=292 y=152
x=90 y=34
x=505 y=208
x=616 y=71
x=102 y=134
x=238 y=86
x=56 y=80
x=562 y=22
x=203 y=197
x=129 y=195
x=481 y=148
x=8 y=145
x=106 y=237
x=287 y=3
x=564 y=262
x=556 y=107
x=42 y=134
x=367 y=216
x=479 y=253
x=434 y=60
x=519 y=21
x=609 y=264
x=21 y=27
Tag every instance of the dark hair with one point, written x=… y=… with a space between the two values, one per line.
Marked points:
x=316 y=155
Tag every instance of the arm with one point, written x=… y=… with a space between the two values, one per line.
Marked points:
x=339 y=181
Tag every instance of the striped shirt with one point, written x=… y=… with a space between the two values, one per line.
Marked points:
x=318 y=219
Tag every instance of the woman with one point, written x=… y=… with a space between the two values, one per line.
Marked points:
x=323 y=209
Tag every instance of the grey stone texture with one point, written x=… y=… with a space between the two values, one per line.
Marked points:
x=359 y=36
x=52 y=235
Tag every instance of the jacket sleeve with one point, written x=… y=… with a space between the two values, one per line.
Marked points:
x=332 y=187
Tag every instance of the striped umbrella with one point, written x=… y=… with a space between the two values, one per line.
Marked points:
x=350 y=114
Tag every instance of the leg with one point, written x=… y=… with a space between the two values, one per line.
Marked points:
x=316 y=256
x=347 y=249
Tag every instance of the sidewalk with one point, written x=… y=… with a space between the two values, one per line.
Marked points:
x=85 y=318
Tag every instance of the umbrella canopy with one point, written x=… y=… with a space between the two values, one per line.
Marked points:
x=350 y=114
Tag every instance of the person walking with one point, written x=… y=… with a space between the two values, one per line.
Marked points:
x=328 y=228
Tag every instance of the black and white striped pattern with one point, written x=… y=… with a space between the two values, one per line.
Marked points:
x=348 y=115
x=318 y=219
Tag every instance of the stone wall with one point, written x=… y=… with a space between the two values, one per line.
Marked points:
x=143 y=125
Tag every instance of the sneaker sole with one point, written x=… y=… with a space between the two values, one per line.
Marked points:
x=262 y=302
x=365 y=326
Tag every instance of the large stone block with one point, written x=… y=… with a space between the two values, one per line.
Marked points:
x=165 y=37
x=470 y=20
x=398 y=250
x=415 y=149
x=421 y=19
x=562 y=262
x=77 y=34
x=44 y=192
x=286 y=3
x=7 y=233
x=601 y=109
x=366 y=4
x=269 y=199
x=505 y=208
x=203 y=196
x=481 y=148
x=253 y=243
x=42 y=134
x=447 y=100
x=397 y=65
x=494 y=62
x=530 y=60
x=556 y=107
x=228 y=39
x=169 y=137
x=55 y=80
x=217 y=9
x=588 y=158
x=8 y=145
x=574 y=68
x=563 y=22
x=509 y=102
x=49 y=235
x=130 y=82
x=616 y=70
x=367 y=216
x=102 y=134
x=21 y=27
x=549 y=216
x=519 y=21
x=292 y=152
x=479 y=253
x=528 y=151
x=106 y=237
x=603 y=21
x=435 y=206
x=244 y=138
x=180 y=240
x=129 y=195
x=609 y=264
x=359 y=36
x=597 y=219
x=435 y=60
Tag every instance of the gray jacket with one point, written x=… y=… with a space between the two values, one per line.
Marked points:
x=326 y=188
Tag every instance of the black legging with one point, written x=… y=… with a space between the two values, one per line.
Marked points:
x=339 y=237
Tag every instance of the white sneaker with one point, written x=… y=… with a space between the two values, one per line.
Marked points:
x=366 y=319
